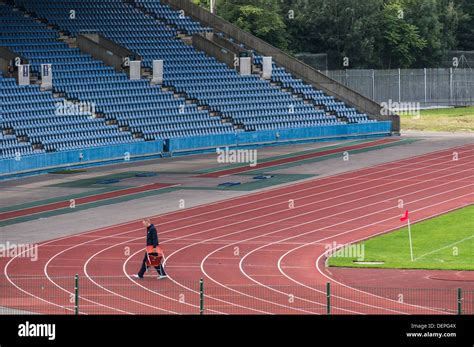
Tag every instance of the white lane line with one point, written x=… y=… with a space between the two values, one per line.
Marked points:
x=442 y=248
x=409 y=162
x=358 y=240
x=272 y=233
x=341 y=176
x=301 y=206
x=317 y=230
x=297 y=216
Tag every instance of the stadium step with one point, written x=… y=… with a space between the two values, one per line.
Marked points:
x=147 y=73
x=257 y=70
x=70 y=41
x=180 y=34
x=201 y=106
x=23 y=138
x=10 y=132
x=35 y=78
x=63 y=95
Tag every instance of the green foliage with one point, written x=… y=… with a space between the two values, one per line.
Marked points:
x=401 y=42
x=260 y=17
x=370 y=33
x=465 y=33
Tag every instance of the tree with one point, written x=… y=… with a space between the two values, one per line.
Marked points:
x=451 y=16
x=401 y=40
x=262 y=18
x=344 y=29
x=465 y=34
x=359 y=34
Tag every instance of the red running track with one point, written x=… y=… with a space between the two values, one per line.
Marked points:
x=260 y=253
x=282 y=161
x=82 y=201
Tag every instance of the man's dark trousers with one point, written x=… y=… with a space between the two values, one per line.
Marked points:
x=160 y=269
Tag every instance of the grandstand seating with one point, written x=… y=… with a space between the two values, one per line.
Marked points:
x=178 y=19
x=279 y=74
x=33 y=116
x=137 y=105
x=10 y=147
x=248 y=100
x=135 y=111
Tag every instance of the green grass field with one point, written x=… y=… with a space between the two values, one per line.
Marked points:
x=445 y=242
x=449 y=119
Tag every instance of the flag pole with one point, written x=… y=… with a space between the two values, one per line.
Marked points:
x=409 y=235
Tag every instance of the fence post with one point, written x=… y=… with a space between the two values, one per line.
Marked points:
x=459 y=301
x=373 y=84
x=426 y=86
x=399 y=85
x=450 y=86
x=76 y=295
x=328 y=297
x=201 y=296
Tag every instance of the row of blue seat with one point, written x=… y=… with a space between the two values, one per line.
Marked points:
x=174 y=52
x=91 y=82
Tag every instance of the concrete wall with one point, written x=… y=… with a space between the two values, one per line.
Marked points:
x=236 y=49
x=104 y=49
x=292 y=65
x=201 y=43
x=7 y=56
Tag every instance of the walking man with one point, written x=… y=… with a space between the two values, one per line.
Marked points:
x=151 y=240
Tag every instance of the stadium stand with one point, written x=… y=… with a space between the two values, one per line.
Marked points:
x=279 y=74
x=177 y=19
x=212 y=82
x=201 y=98
x=156 y=114
x=10 y=146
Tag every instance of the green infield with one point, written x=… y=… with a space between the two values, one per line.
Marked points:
x=445 y=243
x=447 y=119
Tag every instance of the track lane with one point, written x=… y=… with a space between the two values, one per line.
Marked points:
x=250 y=205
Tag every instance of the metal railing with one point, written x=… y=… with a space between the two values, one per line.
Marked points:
x=429 y=87
x=99 y=295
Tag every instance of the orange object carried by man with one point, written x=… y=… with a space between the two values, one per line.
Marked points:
x=154 y=256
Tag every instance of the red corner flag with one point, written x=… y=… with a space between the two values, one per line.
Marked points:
x=405 y=216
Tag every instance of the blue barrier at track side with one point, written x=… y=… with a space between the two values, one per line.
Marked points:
x=57 y=159
x=194 y=144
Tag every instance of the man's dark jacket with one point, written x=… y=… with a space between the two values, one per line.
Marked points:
x=151 y=236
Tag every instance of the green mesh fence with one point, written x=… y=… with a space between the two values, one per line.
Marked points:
x=127 y=295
